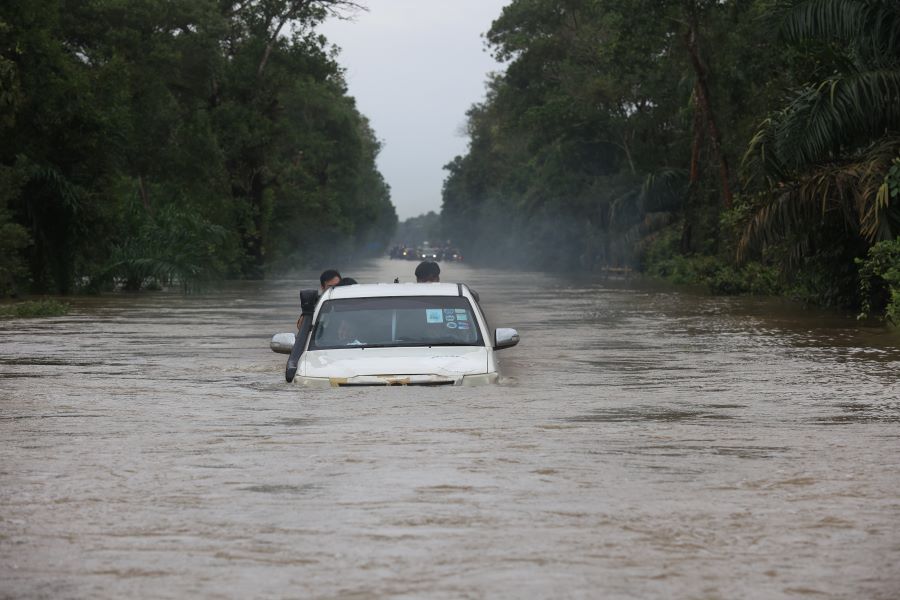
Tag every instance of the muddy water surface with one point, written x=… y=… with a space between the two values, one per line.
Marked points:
x=646 y=443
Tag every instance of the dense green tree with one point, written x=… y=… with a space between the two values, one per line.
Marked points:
x=157 y=139
x=821 y=162
x=13 y=236
x=830 y=148
x=609 y=122
x=610 y=136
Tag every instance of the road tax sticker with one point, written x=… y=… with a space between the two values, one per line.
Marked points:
x=434 y=315
x=451 y=325
x=462 y=316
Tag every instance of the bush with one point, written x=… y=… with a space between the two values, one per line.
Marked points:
x=35 y=308
x=172 y=246
x=751 y=278
x=720 y=276
x=13 y=237
x=879 y=281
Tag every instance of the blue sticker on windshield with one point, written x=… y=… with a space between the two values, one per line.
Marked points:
x=462 y=317
x=433 y=315
x=462 y=325
x=451 y=325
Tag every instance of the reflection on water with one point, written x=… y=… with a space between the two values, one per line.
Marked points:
x=664 y=415
x=280 y=489
x=884 y=412
x=645 y=443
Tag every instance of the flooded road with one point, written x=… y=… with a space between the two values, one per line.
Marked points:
x=646 y=443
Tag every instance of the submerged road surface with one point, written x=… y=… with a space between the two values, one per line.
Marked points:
x=646 y=444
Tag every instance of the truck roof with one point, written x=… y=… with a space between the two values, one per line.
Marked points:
x=374 y=290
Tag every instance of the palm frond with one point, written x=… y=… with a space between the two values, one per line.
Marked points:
x=878 y=218
x=70 y=194
x=852 y=192
x=761 y=159
x=624 y=209
x=173 y=246
x=823 y=19
x=871 y=27
x=663 y=190
x=824 y=119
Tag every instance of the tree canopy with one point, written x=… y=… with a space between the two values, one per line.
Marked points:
x=752 y=141
x=151 y=139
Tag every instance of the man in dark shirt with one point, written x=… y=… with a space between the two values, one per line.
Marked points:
x=428 y=272
x=328 y=279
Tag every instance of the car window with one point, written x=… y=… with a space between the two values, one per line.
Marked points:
x=397 y=321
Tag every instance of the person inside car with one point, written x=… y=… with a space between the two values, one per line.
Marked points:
x=428 y=272
x=346 y=335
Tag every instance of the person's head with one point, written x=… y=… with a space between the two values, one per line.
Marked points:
x=348 y=281
x=428 y=272
x=329 y=278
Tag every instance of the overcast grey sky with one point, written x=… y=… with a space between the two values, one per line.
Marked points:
x=415 y=67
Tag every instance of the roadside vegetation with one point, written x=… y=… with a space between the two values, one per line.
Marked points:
x=148 y=142
x=34 y=308
x=751 y=146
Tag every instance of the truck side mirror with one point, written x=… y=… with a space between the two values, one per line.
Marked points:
x=282 y=343
x=505 y=337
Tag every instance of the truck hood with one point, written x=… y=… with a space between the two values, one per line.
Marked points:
x=451 y=362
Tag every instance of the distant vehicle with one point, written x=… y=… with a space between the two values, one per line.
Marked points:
x=403 y=253
x=429 y=254
x=396 y=334
x=451 y=255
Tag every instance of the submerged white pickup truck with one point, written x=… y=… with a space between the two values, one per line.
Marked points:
x=395 y=334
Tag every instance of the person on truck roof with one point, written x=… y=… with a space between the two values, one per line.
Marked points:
x=428 y=272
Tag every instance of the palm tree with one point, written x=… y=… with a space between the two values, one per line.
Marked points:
x=828 y=152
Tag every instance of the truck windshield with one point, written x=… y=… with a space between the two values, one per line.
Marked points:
x=396 y=321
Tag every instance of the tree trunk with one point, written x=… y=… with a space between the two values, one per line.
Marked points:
x=694 y=178
x=292 y=10
x=696 y=141
x=269 y=45
x=701 y=97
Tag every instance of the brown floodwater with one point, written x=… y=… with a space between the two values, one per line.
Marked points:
x=645 y=443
